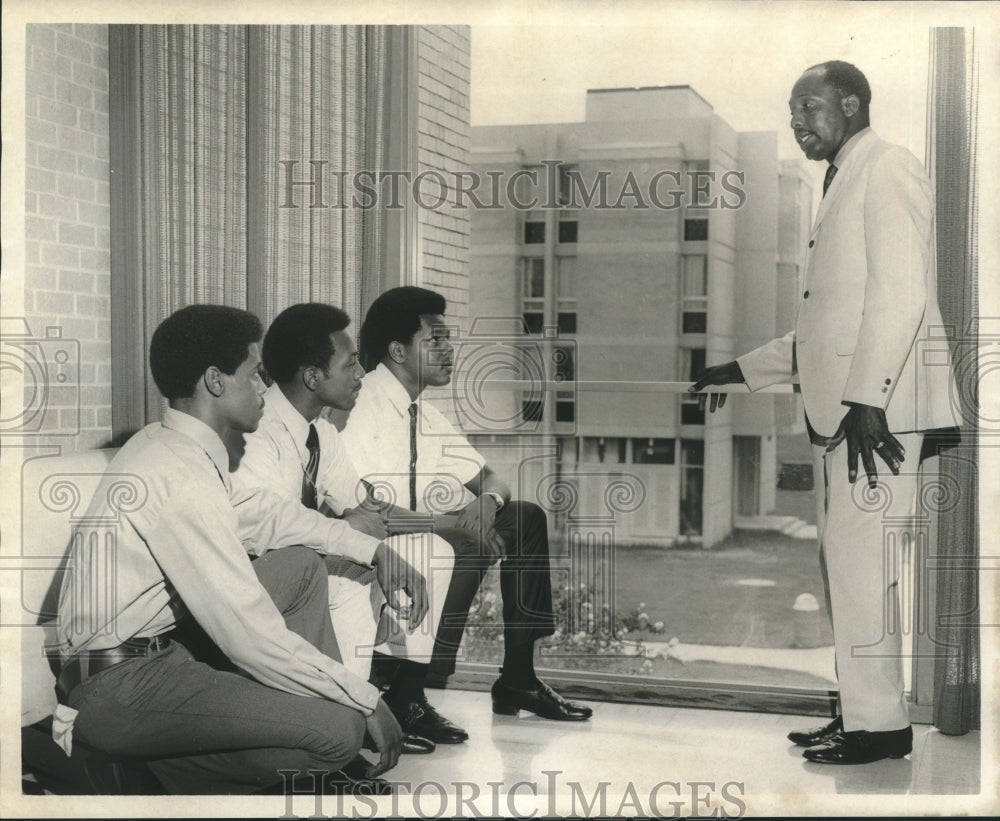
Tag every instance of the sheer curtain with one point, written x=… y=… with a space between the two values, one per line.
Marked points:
x=201 y=118
x=951 y=154
x=315 y=112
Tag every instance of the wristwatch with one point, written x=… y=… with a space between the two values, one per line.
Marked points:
x=496 y=497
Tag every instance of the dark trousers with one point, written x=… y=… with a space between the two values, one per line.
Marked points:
x=525 y=582
x=206 y=730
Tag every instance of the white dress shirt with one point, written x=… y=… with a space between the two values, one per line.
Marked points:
x=377 y=440
x=276 y=456
x=180 y=542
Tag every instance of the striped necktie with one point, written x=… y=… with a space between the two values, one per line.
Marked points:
x=413 y=456
x=309 y=495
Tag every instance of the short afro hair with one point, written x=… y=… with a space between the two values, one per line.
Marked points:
x=299 y=337
x=395 y=317
x=847 y=79
x=195 y=338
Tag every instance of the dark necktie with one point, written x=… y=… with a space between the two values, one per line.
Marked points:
x=413 y=456
x=309 y=496
x=831 y=172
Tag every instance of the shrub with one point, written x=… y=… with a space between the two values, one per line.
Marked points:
x=588 y=635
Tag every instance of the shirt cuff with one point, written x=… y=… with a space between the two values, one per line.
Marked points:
x=344 y=540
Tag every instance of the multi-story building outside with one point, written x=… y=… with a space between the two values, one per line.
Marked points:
x=627 y=251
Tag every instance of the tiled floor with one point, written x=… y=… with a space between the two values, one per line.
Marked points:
x=723 y=759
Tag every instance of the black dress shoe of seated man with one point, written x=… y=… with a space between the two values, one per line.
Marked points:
x=542 y=701
x=414 y=744
x=817 y=735
x=421 y=719
x=862 y=747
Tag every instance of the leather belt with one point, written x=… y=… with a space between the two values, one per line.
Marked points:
x=77 y=669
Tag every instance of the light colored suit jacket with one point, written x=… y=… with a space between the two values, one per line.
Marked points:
x=869 y=328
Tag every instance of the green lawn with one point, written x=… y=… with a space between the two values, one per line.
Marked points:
x=695 y=592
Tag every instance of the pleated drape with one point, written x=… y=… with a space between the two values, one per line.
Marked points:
x=206 y=120
x=951 y=154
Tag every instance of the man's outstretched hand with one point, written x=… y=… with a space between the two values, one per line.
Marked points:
x=867 y=432
x=728 y=374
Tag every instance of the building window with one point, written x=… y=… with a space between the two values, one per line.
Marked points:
x=653 y=451
x=567 y=230
x=533 y=294
x=604 y=449
x=534 y=233
x=694 y=294
x=692 y=484
x=566 y=294
x=696 y=229
x=565 y=406
x=692 y=364
x=531 y=410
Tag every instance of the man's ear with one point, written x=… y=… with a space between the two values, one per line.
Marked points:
x=214 y=383
x=309 y=378
x=850 y=104
x=397 y=352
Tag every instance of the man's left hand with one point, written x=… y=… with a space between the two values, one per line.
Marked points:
x=867 y=432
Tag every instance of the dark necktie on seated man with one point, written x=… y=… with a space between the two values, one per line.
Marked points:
x=413 y=456
x=310 y=497
x=831 y=172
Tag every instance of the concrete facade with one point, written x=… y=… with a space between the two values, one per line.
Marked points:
x=639 y=285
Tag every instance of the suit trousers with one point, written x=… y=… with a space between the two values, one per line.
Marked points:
x=863 y=534
x=363 y=622
x=525 y=582
x=205 y=730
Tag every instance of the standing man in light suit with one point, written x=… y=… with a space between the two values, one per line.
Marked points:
x=867 y=314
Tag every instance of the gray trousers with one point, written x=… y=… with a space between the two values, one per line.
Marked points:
x=208 y=730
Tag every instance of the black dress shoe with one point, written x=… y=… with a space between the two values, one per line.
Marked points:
x=862 y=747
x=542 y=701
x=420 y=718
x=817 y=735
x=417 y=745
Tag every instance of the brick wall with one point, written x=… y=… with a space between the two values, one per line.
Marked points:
x=67 y=220
x=67 y=207
x=444 y=143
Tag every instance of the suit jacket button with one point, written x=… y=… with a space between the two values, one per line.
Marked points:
x=812 y=242
x=888 y=381
x=805 y=295
x=885 y=390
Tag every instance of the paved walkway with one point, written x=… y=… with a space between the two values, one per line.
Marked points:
x=817 y=661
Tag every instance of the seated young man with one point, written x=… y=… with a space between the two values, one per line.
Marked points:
x=180 y=558
x=408 y=449
x=311 y=357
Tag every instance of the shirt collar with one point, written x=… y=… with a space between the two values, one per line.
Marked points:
x=850 y=145
x=202 y=435
x=295 y=422
x=386 y=381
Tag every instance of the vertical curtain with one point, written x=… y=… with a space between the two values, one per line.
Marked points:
x=951 y=155
x=201 y=119
x=315 y=115
x=193 y=110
